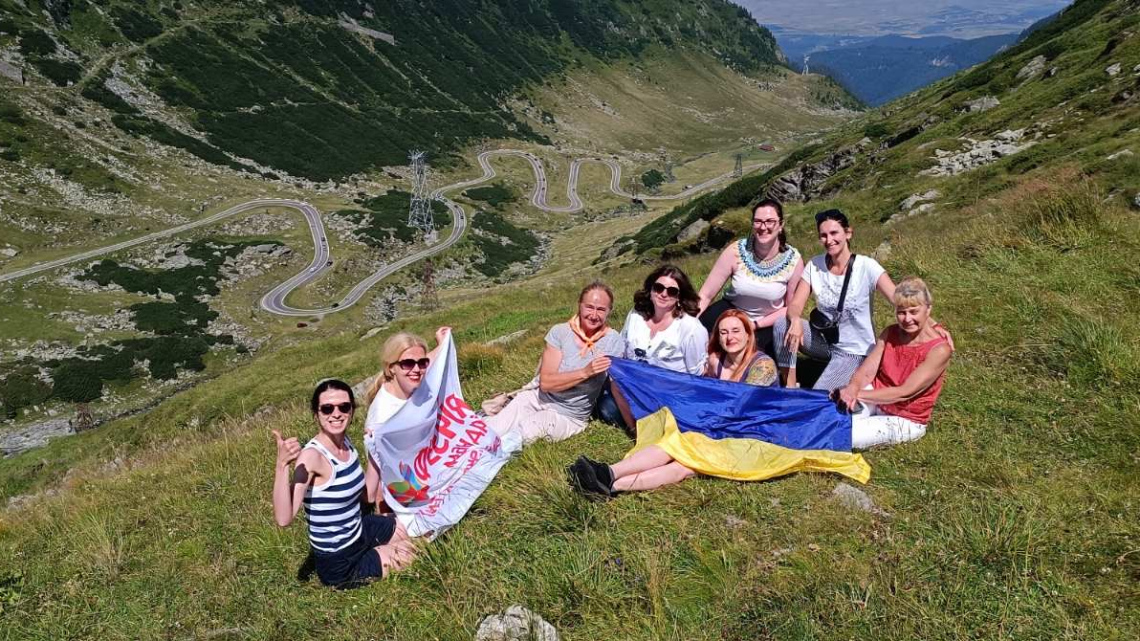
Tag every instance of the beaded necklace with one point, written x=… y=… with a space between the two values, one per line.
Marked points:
x=766 y=269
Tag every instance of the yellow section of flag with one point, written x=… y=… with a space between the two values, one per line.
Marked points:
x=741 y=459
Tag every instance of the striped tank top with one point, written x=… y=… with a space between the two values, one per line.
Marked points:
x=333 y=509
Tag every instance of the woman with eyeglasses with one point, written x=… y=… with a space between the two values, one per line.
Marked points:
x=404 y=361
x=570 y=375
x=762 y=272
x=349 y=547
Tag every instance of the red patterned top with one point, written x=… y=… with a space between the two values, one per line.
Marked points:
x=898 y=363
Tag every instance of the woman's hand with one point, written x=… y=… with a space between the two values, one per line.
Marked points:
x=597 y=366
x=941 y=331
x=441 y=334
x=849 y=396
x=795 y=336
x=287 y=449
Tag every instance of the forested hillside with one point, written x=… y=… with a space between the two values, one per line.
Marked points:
x=322 y=89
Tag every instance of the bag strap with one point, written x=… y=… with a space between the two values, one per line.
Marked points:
x=843 y=292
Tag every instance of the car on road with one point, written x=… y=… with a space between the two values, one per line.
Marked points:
x=312 y=269
x=328 y=264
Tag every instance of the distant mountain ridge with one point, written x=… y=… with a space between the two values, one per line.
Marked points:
x=891 y=66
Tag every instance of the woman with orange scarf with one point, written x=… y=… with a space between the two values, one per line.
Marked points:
x=570 y=374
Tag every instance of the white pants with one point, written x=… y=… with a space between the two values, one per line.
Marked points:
x=872 y=427
x=533 y=419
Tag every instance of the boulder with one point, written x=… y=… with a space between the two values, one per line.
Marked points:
x=854 y=498
x=985 y=103
x=883 y=252
x=1113 y=70
x=9 y=252
x=516 y=624
x=692 y=231
x=1123 y=153
x=1034 y=67
x=909 y=203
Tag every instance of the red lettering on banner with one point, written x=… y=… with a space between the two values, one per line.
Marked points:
x=443 y=426
x=424 y=460
x=458 y=406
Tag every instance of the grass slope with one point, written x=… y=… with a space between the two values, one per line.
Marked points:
x=1014 y=518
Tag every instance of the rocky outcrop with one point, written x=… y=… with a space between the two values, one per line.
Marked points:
x=804 y=183
x=985 y=103
x=978 y=153
x=516 y=624
x=1033 y=68
x=1113 y=70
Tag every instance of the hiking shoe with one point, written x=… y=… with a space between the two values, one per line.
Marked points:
x=585 y=481
x=602 y=472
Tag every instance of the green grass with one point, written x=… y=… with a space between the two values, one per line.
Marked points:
x=1013 y=518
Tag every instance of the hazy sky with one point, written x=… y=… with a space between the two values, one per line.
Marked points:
x=960 y=18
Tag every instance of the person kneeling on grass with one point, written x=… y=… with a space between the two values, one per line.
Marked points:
x=349 y=547
x=899 y=382
x=733 y=355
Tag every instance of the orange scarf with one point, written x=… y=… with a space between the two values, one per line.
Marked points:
x=576 y=327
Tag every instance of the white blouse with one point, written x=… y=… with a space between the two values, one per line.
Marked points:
x=681 y=347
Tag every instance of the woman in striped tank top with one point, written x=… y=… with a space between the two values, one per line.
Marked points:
x=328 y=479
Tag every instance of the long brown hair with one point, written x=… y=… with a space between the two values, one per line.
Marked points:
x=716 y=349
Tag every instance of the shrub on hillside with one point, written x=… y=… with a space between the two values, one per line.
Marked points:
x=652 y=179
x=61 y=73
x=22 y=388
x=137 y=26
x=494 y=195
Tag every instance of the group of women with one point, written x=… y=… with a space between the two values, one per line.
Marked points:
x=752 y=335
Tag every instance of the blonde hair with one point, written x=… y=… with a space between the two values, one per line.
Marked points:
x=912 y=292
x=395 y=345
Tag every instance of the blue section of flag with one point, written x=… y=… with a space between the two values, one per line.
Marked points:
x=792 y=418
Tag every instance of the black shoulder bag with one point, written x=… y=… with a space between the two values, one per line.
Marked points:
x=819 y=321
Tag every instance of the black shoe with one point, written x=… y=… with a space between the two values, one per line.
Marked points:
x=583 y=480
x=603 y=473
x=583 y=475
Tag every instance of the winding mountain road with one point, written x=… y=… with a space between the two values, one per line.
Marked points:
x=274 y=300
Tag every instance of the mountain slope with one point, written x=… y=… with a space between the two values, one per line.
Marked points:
x=887 y=68
x=326 y=89
x=1015 y=517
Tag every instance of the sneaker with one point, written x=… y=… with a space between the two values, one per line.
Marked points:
x=584 y=480
x=603 y=473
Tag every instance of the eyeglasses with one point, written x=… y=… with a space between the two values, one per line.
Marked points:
x=766 y=224
x=671 y=292
x=408 y=363
x=327 y=408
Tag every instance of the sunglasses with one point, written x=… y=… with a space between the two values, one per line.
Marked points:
x=327 y=408
x=408 y=363
x=671 y=292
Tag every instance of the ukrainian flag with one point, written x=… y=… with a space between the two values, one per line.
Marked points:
x=734 y=430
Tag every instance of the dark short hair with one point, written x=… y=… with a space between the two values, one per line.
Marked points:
x=689 y=301
x=330 y=384
x=597 y=284
x=832 y=214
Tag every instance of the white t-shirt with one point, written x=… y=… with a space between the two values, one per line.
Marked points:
x=383 y=407
x=681 y=347
x=856 y=332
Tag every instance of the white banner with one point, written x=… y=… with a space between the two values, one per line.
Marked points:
x=436 y=456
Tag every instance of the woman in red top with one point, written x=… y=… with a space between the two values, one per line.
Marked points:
x=901 y=378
